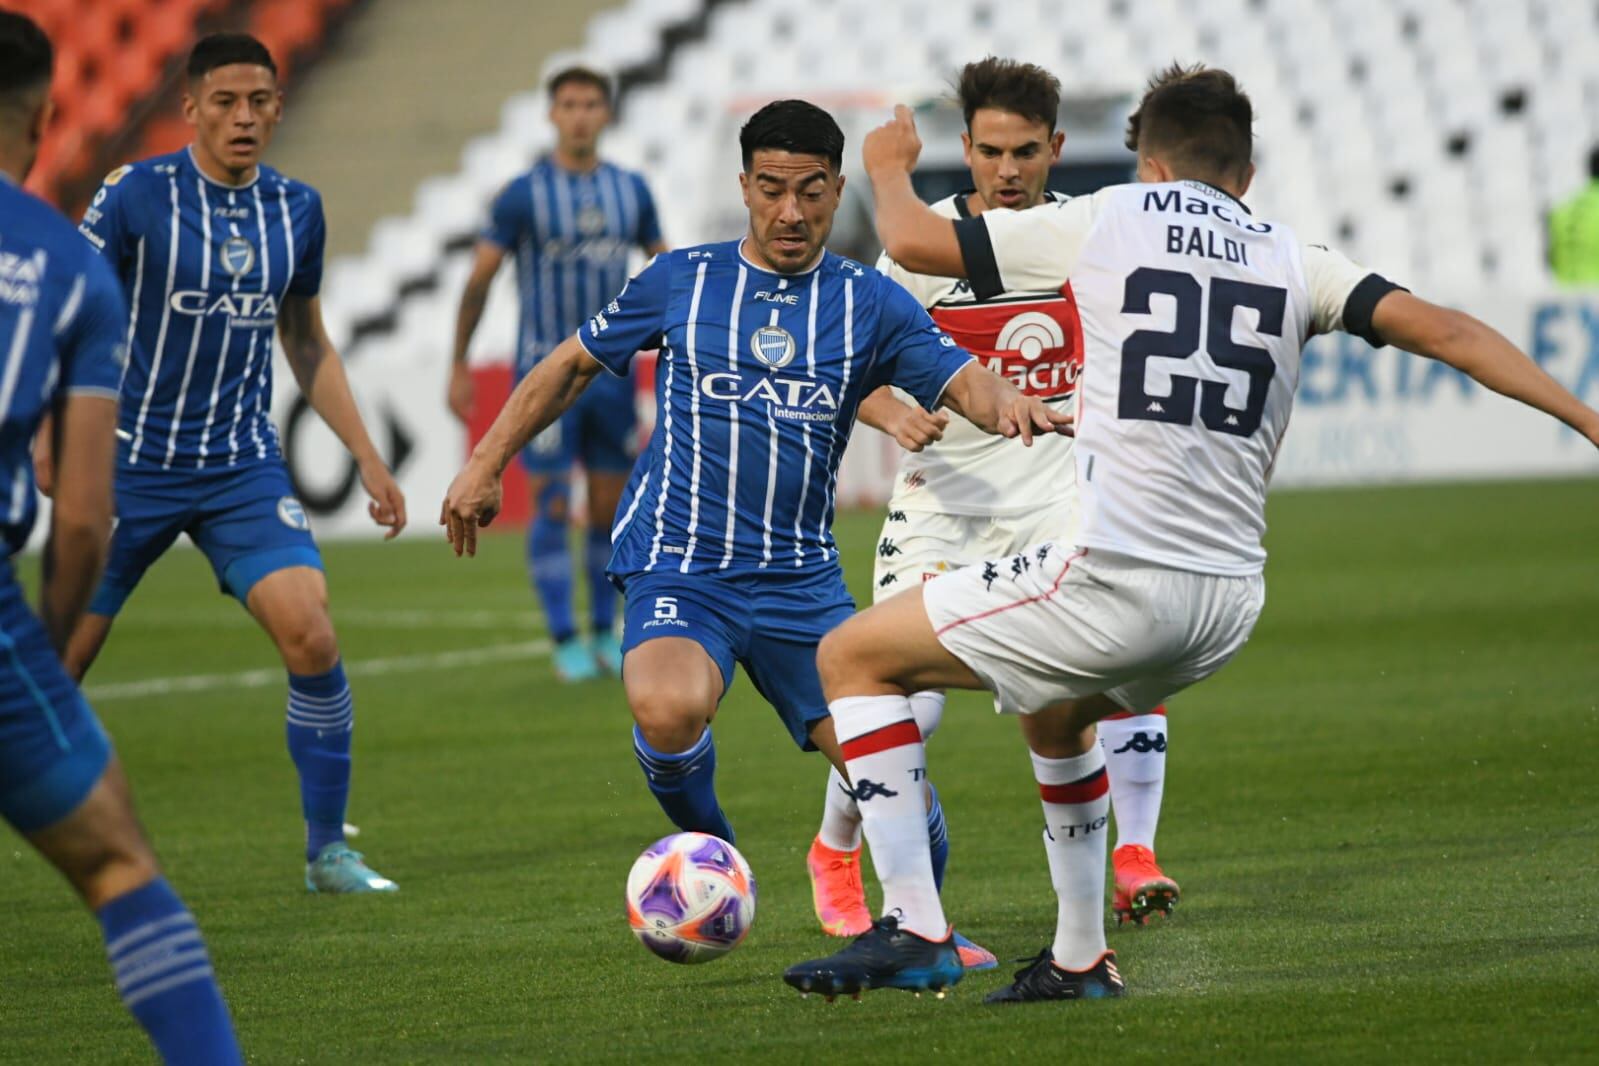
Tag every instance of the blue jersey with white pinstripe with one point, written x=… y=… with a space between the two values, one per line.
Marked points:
x=757 y=383
x=205 y=267
x=62 y=320
x=571 y=234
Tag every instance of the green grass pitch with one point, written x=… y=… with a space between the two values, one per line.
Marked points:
x=1384 y=816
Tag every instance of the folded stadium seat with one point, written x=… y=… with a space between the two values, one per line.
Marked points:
x=524 y=119
x=361 y=286
x=487 y=163
x=449 y=207
x=286 y=27
x=620 y=40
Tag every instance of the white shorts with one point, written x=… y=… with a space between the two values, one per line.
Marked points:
x=1059 y=623
x=919 y=545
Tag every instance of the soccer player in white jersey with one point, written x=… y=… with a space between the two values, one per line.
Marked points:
x=216 y=252
x=1194 y=315
x=962 y=496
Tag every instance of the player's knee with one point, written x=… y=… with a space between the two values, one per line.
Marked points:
x=838 y=658
x=311 y=647
x=668 y=722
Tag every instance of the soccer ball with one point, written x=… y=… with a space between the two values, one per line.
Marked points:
x=690 y=897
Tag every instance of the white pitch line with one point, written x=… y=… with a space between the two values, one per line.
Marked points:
x=356 y=618
x=444 y=660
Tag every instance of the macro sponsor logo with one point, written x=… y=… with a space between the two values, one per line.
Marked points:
x=246 y=310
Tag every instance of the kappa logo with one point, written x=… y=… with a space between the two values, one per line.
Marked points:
x=1141 y=743
x=774 y=346
x=990 y=575
x=866 y=789
x=897 y=516
x=887 y=549
x=292 y=514
x=237 y=256
x=887 y=580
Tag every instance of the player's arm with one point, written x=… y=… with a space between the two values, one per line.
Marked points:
x=486 y=259
x=911 y=427
x=913 y=234
x=994 y=405
x=1478 y=350
x=320 y=373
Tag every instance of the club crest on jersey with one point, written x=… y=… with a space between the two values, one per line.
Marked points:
x=237 y=256
x=292 y=514
x=590 y=220
x=774 y=346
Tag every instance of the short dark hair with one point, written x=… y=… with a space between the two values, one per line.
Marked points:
x=26 y=58
x=225 y=49
x=1024 y=89
x=1197 y=117
x=1593 y=163
x=792 y=126
x=579 y=76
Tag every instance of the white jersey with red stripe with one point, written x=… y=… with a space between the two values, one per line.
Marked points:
x=1030 y=336
x=1194 y=314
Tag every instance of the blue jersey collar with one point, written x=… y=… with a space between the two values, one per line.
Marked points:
x=194 y=164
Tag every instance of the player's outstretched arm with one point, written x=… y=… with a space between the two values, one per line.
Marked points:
x=552 y=386
x=486 y=259
x=84 y=447
x=913 y=234
x=911 y=427
x=1480 y=351
x=994 y=405
x=320 y=373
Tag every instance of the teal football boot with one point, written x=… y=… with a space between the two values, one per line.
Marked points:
x=337 y=869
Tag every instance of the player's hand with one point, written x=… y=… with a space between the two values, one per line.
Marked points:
x=472 y=501
x=894 y=145
x=387 y=506
x=44 y=461
x=1028 y=416
x=916 y=429
x=463 y=391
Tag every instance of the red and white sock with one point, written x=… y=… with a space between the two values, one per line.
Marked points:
x=841 y=815
x=887 y=766
x=1076 y=799
x=1135 y=758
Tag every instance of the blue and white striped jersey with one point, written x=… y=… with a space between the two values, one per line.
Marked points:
x=757 y=384
x=205 y=267
x=571 y=234
x=62 y=321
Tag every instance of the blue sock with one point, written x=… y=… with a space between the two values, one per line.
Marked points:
x=321 y=720
x=937 y=837
x=164 y=976
x=685 y=785
x=549 y=562
x=602 y=595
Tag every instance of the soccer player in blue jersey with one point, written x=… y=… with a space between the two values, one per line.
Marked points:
x=62 y=322
x=572 y=223
x=214 y=251
x=724 y=549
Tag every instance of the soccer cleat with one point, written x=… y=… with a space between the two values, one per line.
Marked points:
x=885 y=956
x=1141 y=889
x=974 y=956
x=575 y=662
x=837 y=891
x=1042 y=979
x=338 y=870
x=607 y=650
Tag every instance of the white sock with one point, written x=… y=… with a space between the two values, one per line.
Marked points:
x=887 y=766
x=841 y=815
x=1135 y=759
x=1076 y=808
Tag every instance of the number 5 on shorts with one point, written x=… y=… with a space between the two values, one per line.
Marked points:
x=665 y=608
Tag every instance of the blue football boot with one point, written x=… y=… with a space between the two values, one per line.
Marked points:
x=885 y=956
x=339 y=870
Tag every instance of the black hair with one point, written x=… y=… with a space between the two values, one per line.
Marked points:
x=26 y=58
x=1021 y=88
x=225 y=49
x=1593 y=163
x=579 y=76
x=792 y=126
x=1198 y=118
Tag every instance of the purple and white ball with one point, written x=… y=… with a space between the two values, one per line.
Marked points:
x=690 y=897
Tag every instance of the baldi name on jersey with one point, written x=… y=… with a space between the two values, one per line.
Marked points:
x=244 y=310
x=1034 y=342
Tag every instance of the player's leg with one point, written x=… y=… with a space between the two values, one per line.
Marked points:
x=548 y=461
x=606 y=450
x=1135 y=761
x=61 y=787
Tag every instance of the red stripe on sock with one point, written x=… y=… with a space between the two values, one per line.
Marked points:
x=1086 y=790
x=890 y=736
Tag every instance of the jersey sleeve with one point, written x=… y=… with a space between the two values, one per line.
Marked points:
x=915 y=284
x=1343 y=294
x=649 y=221
x=632 y=321
x=93 y=337
x=510 y=217
x=912 y=352
x=108 y=224
x=1026 y=251
x=307 y=280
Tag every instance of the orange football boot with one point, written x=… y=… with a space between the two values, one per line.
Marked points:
x=837 y=891
x=1141 y=889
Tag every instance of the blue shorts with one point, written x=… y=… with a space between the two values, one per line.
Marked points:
x=598 y=431
x=769 y=623
x=52 y=749
x=245 y=519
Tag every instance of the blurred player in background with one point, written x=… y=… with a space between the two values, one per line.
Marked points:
x=963 y=496
x=62 y=327
x=725 y=550
x=1574 y=233
x=1162 y=585
x=214 y=250
x=572 y=222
